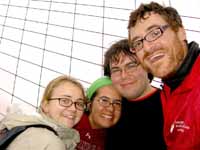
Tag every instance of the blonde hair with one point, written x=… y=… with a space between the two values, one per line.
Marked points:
x=57 y=81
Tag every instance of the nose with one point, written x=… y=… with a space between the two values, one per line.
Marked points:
x=148 y=46
x=124 y=73
x=110 y=107
x=72 y=107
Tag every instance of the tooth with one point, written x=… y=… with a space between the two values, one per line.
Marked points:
x=106 y=116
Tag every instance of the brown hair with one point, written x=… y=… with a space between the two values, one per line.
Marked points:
x=169 y=14
x=57 y=81
x=114 y=52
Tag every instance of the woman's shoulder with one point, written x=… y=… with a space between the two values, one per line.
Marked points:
x=37 y=138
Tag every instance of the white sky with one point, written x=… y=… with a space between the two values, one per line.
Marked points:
x=41 y=40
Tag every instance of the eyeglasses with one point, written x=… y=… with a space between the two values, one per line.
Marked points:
x=67 y=102
x=150 y=37
x=129 y=68
x=105 y=102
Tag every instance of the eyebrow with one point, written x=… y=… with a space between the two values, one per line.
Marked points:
x=104 y=97
x=111 y=99
x=78 y=99
x=117 y=100
x=67 y=96
x=131 y=62
x=152 y=26
x=115 y=67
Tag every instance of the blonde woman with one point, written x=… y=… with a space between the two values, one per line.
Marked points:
x=61 y=108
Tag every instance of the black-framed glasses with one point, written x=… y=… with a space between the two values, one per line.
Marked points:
x=149 y=37
x=67 y=102
x=106 y=102
x=128 y=68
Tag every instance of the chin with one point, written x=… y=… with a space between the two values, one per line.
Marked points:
x=160 y=71
x=107 y=126
x=69 y=123
x=161 y=75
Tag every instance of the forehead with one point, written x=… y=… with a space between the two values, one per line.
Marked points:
x=123 y=59
x=142 y=25
x=108 y=91
x=67 y=87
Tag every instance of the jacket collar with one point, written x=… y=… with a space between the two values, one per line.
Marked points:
x=185 y=68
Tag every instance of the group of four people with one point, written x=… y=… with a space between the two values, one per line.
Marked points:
x=124 y=110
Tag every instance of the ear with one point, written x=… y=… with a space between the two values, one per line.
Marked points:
x=45 y=106
x=132 y=50
x=89 y=106
x=181 y=34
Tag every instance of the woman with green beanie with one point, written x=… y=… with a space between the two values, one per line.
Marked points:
x=104 y=106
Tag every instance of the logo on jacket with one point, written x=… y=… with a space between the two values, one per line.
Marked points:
x=179 y=126
x=88 y=135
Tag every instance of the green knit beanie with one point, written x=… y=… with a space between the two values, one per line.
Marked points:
x=99 y=83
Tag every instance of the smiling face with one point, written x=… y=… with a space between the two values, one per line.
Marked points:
x=163 y=56
x=104 y=117
x=69 y=116
x=132 y=82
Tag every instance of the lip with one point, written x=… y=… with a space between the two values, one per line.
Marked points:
x=107 y=116
x=126 y=84
x=69 y=116
x=155 y=57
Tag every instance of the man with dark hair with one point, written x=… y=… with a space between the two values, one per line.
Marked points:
x=158 y=38
x=141 y=124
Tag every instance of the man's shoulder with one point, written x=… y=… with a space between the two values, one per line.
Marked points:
x=153 y=94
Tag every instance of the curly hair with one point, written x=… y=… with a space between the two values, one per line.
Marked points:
x=169 y=14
